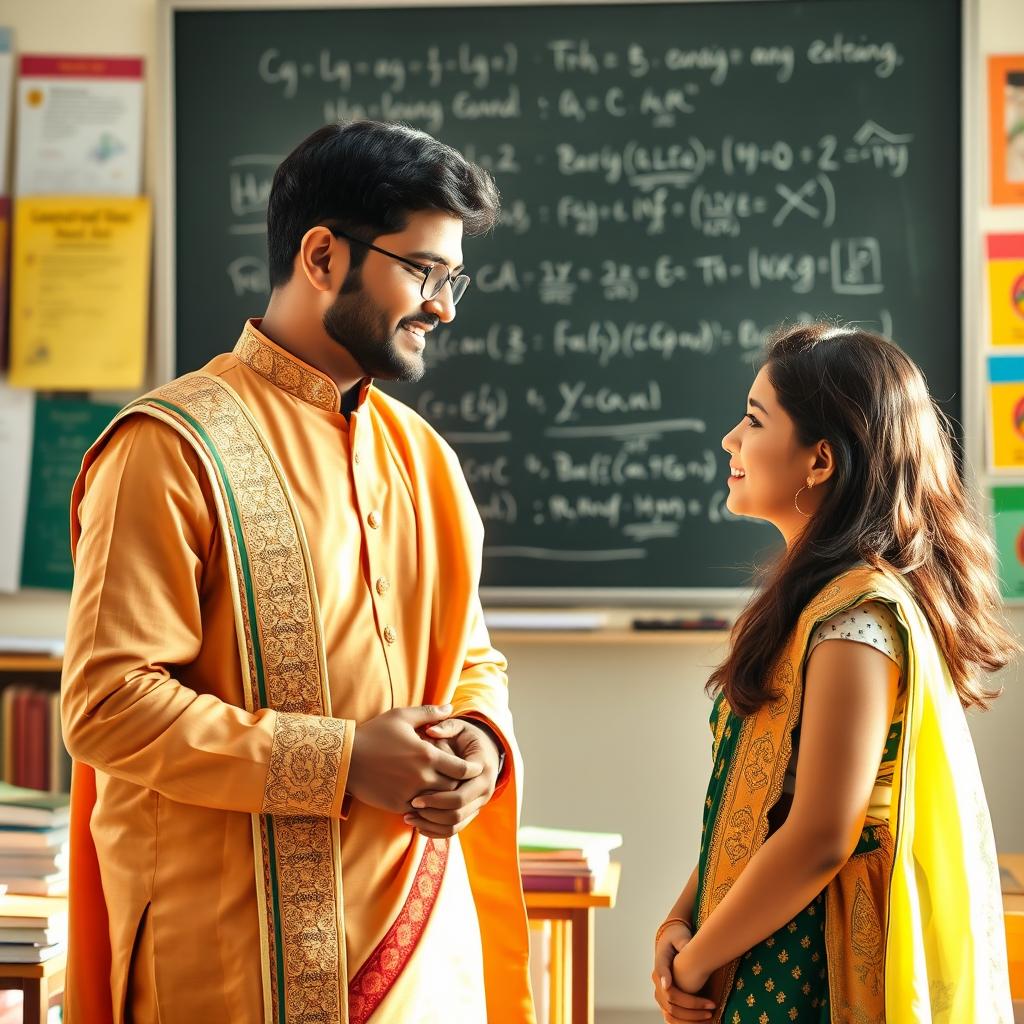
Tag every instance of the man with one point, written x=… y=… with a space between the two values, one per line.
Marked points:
x=277 y=670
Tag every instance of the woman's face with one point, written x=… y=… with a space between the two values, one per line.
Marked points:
x=768 y=465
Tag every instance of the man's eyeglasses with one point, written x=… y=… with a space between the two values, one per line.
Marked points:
x=435 y=275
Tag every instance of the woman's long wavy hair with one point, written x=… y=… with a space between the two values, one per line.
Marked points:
x=895 y=502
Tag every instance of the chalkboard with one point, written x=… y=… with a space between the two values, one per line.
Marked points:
x=677 y=179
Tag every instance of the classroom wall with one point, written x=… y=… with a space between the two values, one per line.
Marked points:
x=614 y=737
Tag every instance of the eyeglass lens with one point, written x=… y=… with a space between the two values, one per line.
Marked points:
x=438 y=277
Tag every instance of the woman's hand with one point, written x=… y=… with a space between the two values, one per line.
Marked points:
x=686 y=975
x=676 y=1004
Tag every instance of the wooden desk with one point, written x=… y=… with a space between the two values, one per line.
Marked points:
x=1013 y=916
x=572 y=954
x=39 y=983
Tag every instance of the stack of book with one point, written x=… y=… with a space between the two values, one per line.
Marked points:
x=33 y=841
x=32 y=928
x=30 y=738
x=562 y=860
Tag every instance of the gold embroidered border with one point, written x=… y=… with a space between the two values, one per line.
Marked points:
x=305 y=763
x=302 y=854
x=855 y=924
x=288 y=635
x=287 y=374
x=309 y=923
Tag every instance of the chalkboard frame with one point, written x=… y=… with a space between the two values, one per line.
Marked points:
x=972 y=137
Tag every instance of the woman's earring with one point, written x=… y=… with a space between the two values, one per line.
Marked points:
x=796 y=497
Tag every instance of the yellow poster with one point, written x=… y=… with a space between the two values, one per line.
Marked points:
x=80 y=293
x=1006 y=288
x=1006 y=412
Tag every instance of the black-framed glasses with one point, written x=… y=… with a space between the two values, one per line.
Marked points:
x=435 y=275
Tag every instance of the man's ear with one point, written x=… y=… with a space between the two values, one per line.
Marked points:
x=322 y=259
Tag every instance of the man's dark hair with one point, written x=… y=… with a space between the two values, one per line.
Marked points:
x=365 y=178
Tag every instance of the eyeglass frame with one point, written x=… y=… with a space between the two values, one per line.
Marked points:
x=425 y=270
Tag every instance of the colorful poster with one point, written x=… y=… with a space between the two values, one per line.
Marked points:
x=5 y=272
x=1006 y=412
x=63 y=431
x=1006 y=128
x=1008 y=507
x=80 y=296
x=79 y=126
x=1006 y=289
x=6 y=93
x=16 y=418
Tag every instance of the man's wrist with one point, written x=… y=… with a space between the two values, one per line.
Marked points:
x=492 y=735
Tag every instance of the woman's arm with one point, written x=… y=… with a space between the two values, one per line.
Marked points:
x=677 y=1006
x=849 y=697
x=683 y=907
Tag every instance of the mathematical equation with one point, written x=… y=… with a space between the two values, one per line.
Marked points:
x=479 y=68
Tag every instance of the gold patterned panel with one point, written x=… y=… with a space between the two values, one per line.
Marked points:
x=741 y=827
x=288 y=634
x=286 y=373
x=305 y=764
x=301 y=902
x=855 y=916
x=312 y=965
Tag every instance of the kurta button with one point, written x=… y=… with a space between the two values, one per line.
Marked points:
x=355 y=458
x=390 y=636
x=383 y=585
x=374 y=520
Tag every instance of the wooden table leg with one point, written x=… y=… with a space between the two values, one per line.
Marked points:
x=583 y=966
x=557 y=974
x=37 y=1000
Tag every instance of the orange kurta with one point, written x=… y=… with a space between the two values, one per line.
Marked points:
x=153 y=695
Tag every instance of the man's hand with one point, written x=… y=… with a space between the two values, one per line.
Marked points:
x=442 y=814
x=675 y=1002
x=392 y=762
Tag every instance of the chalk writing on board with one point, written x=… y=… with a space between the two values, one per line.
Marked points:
x=674 y=184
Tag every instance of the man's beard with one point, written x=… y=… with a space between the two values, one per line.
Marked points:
x=362 y=329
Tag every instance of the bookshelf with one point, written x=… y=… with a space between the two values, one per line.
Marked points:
x=32 y=751
x=42 y=663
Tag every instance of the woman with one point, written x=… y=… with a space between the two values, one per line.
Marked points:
x=847 y=869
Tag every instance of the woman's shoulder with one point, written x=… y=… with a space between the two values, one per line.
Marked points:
x=871 y=622
x=854 y=586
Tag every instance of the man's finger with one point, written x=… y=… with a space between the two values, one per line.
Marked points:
x=454 y=767
x=434 y=831
x=426 y=714
x=445 y=730
x=435 y=782
x=452 y=800
x=452 y=817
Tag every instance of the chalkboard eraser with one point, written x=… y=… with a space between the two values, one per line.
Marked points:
x=703 y=622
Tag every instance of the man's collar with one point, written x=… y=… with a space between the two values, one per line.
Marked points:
x=288 y=372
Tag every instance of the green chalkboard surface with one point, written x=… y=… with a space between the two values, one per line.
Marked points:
x=677 y=179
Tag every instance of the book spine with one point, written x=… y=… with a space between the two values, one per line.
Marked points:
x=39 y=751
x=558 y=883
x=18 y=737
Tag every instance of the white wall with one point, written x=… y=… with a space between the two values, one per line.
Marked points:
x=615 y=738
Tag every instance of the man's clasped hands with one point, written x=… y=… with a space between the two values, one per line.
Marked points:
x=436 y=771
